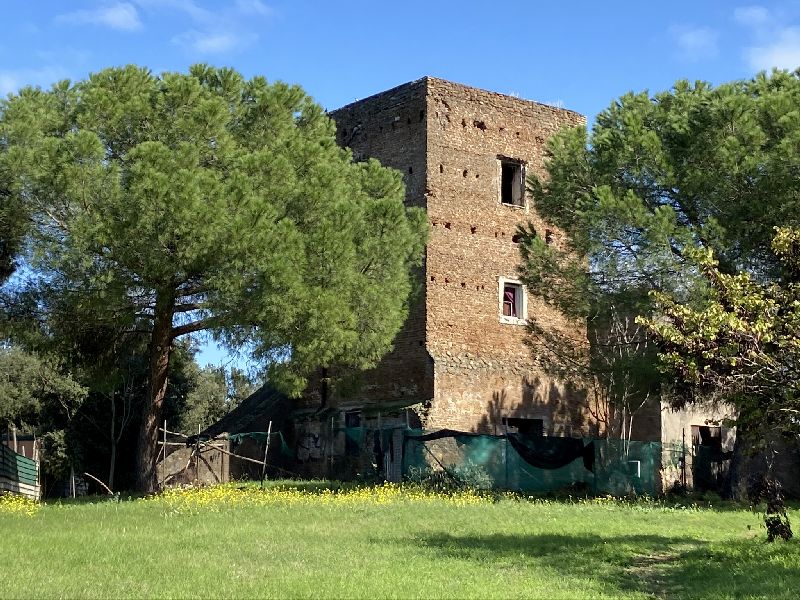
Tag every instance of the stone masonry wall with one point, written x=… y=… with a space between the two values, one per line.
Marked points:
x=391 y=127
x=483 y=368
x=454 y=353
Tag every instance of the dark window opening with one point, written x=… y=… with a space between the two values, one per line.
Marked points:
x=707 y=436
x=528 y=427
x=512 y=183
x=548 y=237
x=352 y=420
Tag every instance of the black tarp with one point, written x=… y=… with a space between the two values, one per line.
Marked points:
x=552 y=452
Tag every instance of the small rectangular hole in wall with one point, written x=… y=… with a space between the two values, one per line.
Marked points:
x=526 y=427
x=548 y=237
x=512 y=182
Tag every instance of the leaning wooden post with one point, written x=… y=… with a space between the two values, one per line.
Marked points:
x=266 y=449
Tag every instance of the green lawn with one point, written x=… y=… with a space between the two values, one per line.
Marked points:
x=388 y=543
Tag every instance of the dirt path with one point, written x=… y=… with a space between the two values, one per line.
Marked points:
x=650 y=571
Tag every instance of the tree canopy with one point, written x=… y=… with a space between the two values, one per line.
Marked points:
x=182 y=203
x=659 y=181
x=742 y=344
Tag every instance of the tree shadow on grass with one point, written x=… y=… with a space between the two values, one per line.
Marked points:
x=659 y=566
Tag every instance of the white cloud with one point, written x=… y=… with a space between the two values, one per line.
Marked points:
x=752 y=16
x=210 y=42
x=695 y=43
x=214 y=31
x=193 y=10
x=783 y=52
x=253 y=7
x=121 y=16
x=775 y=39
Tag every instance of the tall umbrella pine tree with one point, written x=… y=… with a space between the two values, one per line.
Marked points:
x=207 y=202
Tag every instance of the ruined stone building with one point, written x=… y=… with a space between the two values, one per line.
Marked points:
x=461 y=360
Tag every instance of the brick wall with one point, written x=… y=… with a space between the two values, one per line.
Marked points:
x=454 y=353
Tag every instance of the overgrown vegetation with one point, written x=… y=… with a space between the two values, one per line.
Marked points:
x=308 y=540
x=660 y=182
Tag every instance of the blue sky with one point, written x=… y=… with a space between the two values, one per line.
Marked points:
x=579 y=55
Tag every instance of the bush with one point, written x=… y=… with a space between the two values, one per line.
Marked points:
x=468 y=476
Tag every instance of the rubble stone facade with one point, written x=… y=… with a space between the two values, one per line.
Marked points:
x=462 y=353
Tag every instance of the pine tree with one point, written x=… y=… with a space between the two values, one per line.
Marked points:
x=207 y=202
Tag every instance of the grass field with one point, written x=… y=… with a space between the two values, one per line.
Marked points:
x=387 y=542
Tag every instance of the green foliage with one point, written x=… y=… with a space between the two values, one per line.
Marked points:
x=13 y=222
x=207 y=400
x=660 y=178
x=466 y=476
x=741 y=345
x=226 y=201
x=183 y=203
x=30 y=386
x=696 y=166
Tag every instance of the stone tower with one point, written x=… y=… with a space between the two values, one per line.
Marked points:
x=461 y=355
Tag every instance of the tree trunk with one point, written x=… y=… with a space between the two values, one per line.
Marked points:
x=160 y=344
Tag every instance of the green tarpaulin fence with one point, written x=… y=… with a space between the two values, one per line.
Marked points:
x=598 y=466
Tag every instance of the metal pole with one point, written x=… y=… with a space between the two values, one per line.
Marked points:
x=14 y=433
x=266 y=449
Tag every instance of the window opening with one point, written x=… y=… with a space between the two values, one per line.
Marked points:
x=512 y=183
x=352 y=420
x=510 y=301
x=707 y=436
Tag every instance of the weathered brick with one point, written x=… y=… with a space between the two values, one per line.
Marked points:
x=454 y=354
